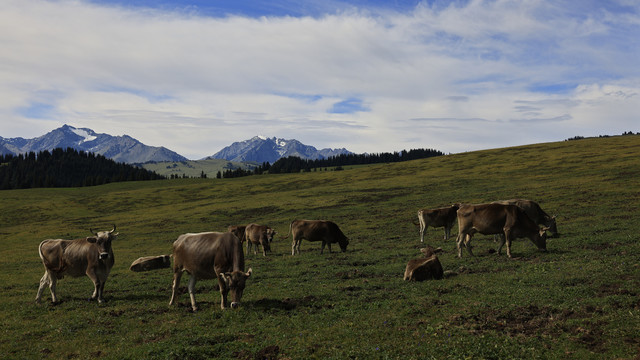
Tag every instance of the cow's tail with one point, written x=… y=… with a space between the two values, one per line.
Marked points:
x=289 y=233
x=55 y=268
x=148 y=263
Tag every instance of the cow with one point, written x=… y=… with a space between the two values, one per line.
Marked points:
x=316 y=230
x=259 y=235
x=535 y=213
x=441 y=217
x=237 y=230
x=91 y=256
x=426 y=268
x=489 y=219
x=210 y=255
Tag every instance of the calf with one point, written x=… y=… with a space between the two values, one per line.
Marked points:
x=426 y=268
x=259 y=235
x=441 y=217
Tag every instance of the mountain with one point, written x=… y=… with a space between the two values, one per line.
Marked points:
x=262 y=149
x=119 y=148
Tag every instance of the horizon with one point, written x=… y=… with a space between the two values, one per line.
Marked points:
x=368 y=76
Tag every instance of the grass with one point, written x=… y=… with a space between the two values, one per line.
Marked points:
x=579 y=300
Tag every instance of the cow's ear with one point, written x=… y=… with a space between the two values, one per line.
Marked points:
x=92 y=239
x=248 y=273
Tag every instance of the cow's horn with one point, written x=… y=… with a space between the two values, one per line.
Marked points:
x=114 y=229
x=93 y=232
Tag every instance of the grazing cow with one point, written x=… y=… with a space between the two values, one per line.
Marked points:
x=210 y=255
x=259 y=235
x=441 y=217
x=488 y=219
x=535 y=213
x=426 y=268
x=237 y=230
x=91 y=256
x=316 y=230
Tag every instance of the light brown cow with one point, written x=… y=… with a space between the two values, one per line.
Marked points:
x=210 y=255
x=441 y=217
x=535 y=213
x=237 y=230
x=489 y=219
x=316 y=230
x=426 y=268
x=259 y=235
x=91 y=256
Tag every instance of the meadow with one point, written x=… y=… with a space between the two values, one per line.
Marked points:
x=579 y=300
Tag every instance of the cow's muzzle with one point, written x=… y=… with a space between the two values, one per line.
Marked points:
x=235 y=305
x=104 y=256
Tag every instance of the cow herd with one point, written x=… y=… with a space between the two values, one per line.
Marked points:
x=217 y=255
x=507 y=220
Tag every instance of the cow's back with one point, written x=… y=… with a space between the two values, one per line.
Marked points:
x=68 y=257
x=484 y=218
x=203 y=255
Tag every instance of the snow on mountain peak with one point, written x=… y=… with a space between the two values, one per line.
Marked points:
x=84 y=134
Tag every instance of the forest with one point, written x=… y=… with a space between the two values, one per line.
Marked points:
x=65 y=168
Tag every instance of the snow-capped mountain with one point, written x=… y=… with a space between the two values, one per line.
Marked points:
x=263 y=149
x=119 y=148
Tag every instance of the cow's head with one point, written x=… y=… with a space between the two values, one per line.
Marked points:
x=235 y=283
x=270 y=234
x=541 y=239
x=103 y=240
x=343 y=242
x=551 y=223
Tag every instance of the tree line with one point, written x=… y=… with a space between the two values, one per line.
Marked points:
x=65 y=168
x=293 y=164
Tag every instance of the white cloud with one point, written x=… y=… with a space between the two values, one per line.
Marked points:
x=356 y=79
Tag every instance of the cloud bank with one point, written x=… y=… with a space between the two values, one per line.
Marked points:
x=455 y=76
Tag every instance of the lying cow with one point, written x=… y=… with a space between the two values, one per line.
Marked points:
x=237 y=230
x=441 y=217
x=210 y=255
x=489 y=219
x=316 y=230
x=91 y=256
x=535 y=213
x=259 y=235
x=426 y=268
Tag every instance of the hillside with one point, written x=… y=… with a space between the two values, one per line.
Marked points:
x=579 y=300
x=194 y=168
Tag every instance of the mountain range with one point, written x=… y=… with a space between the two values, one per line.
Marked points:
x=126 y=149
x=263 y=149
x=119 y=148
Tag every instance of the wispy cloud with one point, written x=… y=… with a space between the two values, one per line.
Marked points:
x=196 y=75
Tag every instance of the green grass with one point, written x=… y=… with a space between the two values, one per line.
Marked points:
x=579 y=300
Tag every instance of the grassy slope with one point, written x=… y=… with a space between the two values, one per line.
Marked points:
x=194 y=168
x=579 y=300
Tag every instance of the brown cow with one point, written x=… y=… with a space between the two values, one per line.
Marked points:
x=237 y=230
x=488 y=219
x=441 y=217
x=210 y=255
x=259 y=235
x=426 y=268
x=91 y=256
x=535 y=213
x=316 y=230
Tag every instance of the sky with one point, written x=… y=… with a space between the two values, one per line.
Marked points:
x=369 y=76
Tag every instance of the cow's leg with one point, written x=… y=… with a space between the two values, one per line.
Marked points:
x=507 y=239
x=192 y=292
x=467 y=243
x=459 y=240
x=295 y=246
x=91 y=273
x=44 y=281
x=224 y=291
x=502 y=238
x=447 y=232
x=177 y=274
x=101 y=290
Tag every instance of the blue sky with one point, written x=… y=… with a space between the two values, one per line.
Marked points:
x=369 y=76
